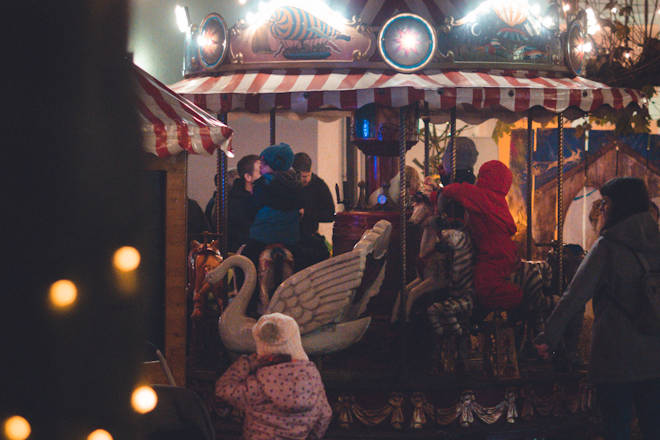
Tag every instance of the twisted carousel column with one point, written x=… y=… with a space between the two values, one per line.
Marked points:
x=221 y=218
x=272 y=126
x=452 y=143
x=427 y=138
x=403 y=203
x=560 y=205
x=530 y=147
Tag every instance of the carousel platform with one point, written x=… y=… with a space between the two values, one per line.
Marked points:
x=387 y=388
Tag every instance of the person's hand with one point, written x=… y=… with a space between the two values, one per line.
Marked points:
x=543 y=350
x=429 y=186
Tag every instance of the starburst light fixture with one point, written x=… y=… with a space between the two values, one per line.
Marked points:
x=408 y=41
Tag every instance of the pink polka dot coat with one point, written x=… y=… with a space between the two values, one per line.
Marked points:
x=282 y=401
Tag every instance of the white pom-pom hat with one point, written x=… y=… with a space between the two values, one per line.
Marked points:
x=277 y=333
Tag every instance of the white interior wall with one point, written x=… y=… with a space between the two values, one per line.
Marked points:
x=481 y=135
x=250 y=137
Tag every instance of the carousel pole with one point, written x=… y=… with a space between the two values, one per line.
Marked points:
x=272 y=126
x=452 y=143
x=403 y=193
x=530 y=148
x=403 y=199
x=560 y=205
x=222 y=220
x=427 y=138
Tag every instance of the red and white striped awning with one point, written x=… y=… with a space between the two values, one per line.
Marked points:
x=172 y=124
x=309 y=90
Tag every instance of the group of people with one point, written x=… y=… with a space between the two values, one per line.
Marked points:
x=282 y=392
x=621 y=273
x=275 y=198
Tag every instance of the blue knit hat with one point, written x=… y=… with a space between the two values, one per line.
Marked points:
x=279 y=157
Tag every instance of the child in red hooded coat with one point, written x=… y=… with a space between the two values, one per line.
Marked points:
x=491 y=227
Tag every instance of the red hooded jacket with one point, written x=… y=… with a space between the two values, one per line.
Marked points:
x=491 y=227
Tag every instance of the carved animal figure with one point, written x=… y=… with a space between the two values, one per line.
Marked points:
x=203 y=258
x=291 y=24
x=327 y=300
x=430 y=267
x=275 y=265
x=451 y=315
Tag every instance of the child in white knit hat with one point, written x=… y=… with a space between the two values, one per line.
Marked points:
x=278 y=387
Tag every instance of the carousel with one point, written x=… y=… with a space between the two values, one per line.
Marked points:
x=388 y=69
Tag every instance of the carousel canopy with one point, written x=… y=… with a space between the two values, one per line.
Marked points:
x=172 y=124
x=476 y=95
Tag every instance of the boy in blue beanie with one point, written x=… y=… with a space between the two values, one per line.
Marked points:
x=277 y=198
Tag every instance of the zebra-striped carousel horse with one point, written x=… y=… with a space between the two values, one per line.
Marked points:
x=450 y=316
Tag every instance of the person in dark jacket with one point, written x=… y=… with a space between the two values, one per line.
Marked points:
x=277 y=200
x=318 y=207
x=241 y=210
x=210 y=211
x=625 y=363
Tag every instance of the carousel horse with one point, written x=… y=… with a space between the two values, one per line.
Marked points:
x=276 y=264
x=430 y=262
x=207 y=305
x=449 y=315
x=203 y=258
x=328 y=299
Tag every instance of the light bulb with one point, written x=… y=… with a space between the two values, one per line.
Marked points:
x=144 y=399
x=182 y=19
x=126 y=259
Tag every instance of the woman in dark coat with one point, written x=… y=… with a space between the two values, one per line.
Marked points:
x=625 y=363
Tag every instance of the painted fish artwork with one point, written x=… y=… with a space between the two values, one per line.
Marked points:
x=301 y=35
x=502 y=31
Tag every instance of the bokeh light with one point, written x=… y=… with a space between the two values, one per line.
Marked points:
x=126 y=259
x=63 y=294
x=99 y=434
x=144 y=399
x=17 y=428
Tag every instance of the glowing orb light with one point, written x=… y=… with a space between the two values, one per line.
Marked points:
x=126 y=259
x=407 y=42
x=382 y=199
x=144 y=399
x=62 y=294
x=17 y=428
x=99 y=434
x=212 y=41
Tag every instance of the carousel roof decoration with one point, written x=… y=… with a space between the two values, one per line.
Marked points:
x=501 y=57
x=171 y=124
x=407 y=42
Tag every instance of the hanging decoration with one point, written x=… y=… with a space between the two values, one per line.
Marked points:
x=377 y=130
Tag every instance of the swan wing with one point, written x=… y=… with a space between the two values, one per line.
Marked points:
x=322 y=293
x=319 y=294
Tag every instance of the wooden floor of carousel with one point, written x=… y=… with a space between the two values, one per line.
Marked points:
x=390 y=386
